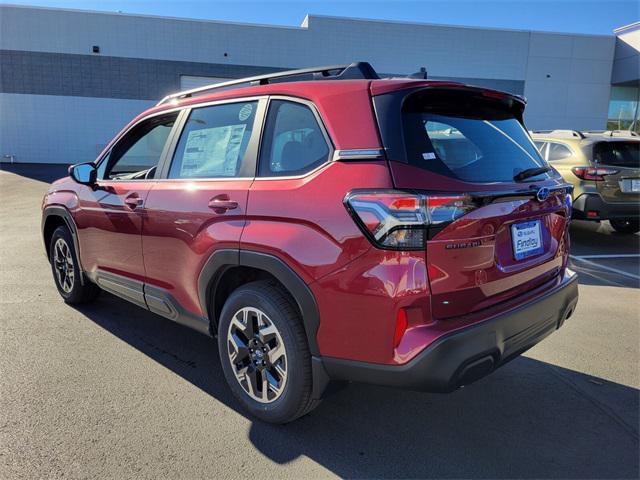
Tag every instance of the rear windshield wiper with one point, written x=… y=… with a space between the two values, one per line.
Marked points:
x=530 y=172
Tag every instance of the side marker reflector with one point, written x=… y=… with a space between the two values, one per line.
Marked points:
x=401 y=326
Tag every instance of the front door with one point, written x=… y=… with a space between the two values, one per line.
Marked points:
x=110 y=216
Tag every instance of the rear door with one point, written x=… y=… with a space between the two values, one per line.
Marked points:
x=199 y=204
x=492 y=235
x=623 y=185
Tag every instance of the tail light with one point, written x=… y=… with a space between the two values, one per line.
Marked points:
x=592 y=173
x=398 y=220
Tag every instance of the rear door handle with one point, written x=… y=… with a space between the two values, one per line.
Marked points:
x=222 y=203
x=133 y=201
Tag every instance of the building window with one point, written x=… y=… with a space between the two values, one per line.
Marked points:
x=623 y=109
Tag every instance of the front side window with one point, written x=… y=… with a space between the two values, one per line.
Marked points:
x=293 y=142
x=557 y=151
x=214 y=141
x=137 y=153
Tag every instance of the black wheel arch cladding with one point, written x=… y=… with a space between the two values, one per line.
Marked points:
x=221 y=260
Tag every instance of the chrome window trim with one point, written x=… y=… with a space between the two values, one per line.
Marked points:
x=330 y=157
x=208 y=179
x=262 y=107
x=296 y=177
x=179 y=108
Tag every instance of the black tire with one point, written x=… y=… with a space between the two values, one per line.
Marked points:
x=625 y=225
x=73 y=291
x=295 y=399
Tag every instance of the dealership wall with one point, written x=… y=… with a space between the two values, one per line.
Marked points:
x=60 y=102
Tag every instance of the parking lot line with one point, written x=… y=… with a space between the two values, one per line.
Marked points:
x=624 y=255
x=604 y=267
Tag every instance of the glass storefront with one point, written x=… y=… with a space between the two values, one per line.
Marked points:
x=623 y=109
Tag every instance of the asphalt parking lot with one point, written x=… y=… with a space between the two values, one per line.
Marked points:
x=109 y=390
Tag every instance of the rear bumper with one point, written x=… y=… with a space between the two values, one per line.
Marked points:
x=471 y=353
x=594 y=202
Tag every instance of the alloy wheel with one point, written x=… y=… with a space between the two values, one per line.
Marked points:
x=257 y=355
x=63 y=263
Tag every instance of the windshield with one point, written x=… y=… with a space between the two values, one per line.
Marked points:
x=618 y=154
x=479 y=150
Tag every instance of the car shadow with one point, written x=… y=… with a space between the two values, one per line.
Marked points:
x=530 y=419
x=600 y=239
x=588 y=238
x=42 y=172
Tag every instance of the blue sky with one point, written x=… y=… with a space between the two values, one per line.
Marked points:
x=582 y=16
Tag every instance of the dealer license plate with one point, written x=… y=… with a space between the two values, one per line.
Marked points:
x=527 y=239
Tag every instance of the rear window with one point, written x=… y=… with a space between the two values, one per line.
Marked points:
x=619 y=154
x=476 y=141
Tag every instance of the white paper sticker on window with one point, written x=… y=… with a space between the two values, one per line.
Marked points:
x=429 y=156
x=212 y=151
x=245 y=112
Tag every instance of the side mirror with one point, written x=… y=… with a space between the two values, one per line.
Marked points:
x=84 y=173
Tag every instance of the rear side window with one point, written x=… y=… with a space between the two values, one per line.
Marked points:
x=470 y=149
x=557 y=151
x=293 y=141
x=619 y=154
x=214 y=141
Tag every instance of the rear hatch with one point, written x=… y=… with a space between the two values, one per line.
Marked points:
x=496 y=228
x=622 y=183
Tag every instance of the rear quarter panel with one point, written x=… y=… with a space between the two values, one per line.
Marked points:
x=304 y=222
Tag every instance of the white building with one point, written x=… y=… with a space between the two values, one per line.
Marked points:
x=69 y=80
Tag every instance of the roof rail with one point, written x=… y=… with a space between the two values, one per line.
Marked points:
x=352 y=71
x=623 y=133
x=612 y=133
x=561 y=133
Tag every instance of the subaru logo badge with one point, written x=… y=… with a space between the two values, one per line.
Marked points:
x=542 y=194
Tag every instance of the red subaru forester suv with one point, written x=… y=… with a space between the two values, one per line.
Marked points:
x=326 y=225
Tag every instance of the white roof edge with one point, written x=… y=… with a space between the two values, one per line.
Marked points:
x=627 y=28
x=305 y=23
x=146 y=15
x=448 y=25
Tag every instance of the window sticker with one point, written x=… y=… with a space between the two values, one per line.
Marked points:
x=212 y=151
x=429 y=156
